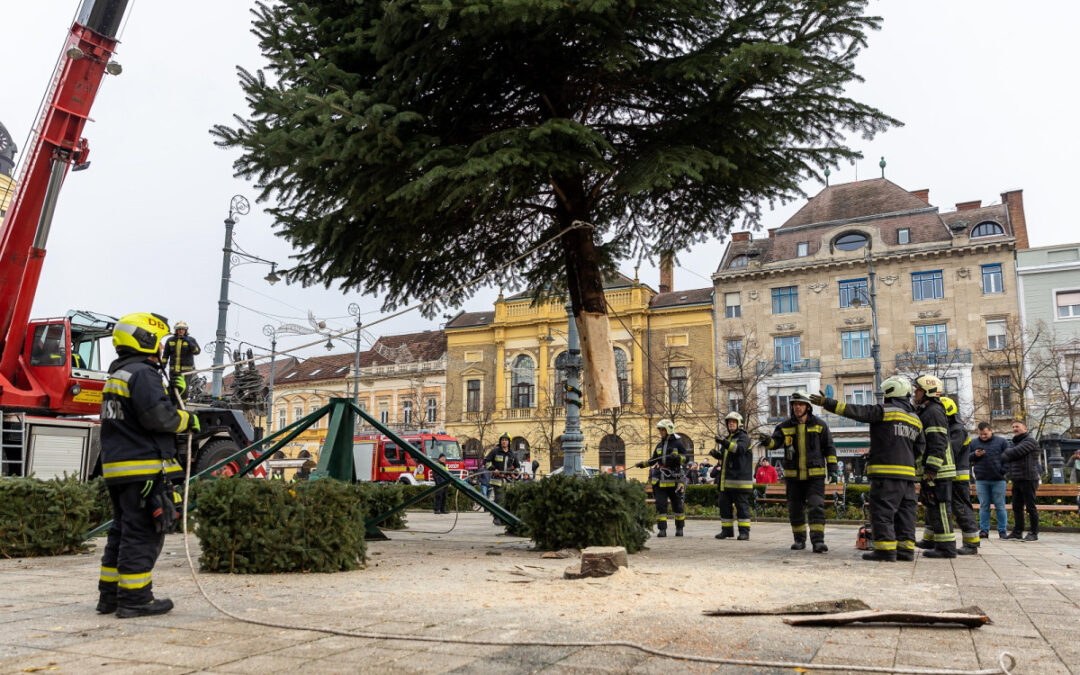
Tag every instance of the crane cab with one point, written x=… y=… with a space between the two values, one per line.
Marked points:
x=61 y=364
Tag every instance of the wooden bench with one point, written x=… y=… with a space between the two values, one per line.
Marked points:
x=776 y=493
x=1067 y=491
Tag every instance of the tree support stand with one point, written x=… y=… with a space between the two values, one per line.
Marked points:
x=336 y=461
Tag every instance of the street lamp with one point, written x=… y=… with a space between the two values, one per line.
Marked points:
x=271 y=332
x=572 y=436
x=354 y=310
x=238 y=206
x=875 y=345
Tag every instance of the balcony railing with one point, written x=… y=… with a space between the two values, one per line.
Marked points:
x=906 y=359
x=474 y=416
x=519 y=413
x=779 y=367
x=1001 y=413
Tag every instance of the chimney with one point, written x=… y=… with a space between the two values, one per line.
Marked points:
x=740 y=236
x=1014 y=203
x=923 y=194
x=968 y=206
x=667 y=266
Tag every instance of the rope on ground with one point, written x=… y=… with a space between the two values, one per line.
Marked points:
x=471 y=282
x=1006 y=661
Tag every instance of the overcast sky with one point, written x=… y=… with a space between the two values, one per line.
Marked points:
x=986 y=90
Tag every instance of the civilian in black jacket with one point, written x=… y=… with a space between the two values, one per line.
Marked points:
x=986 y=467
x=1023 y=459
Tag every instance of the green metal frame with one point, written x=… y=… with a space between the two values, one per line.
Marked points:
x=336 y=460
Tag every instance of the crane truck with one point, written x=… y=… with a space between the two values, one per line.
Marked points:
x=51 y=374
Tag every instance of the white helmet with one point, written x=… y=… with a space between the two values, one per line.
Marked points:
x=180 y=325
x=667 y=425
x=733 y=415
x=896 y=386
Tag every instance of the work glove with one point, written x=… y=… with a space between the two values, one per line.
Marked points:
x=718 y=438
x=764 y=439
x=715 y=454
x=640 y=465
x=179 y=383
x=162 y=509
x=817 y=399
x=193 y=422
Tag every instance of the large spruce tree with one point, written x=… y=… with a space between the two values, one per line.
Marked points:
x=407 y=145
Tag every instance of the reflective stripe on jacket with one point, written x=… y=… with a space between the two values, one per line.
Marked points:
x=737 y=461
x=896 y=436
x=959 y=442
x=937 y=458
x=808 y=447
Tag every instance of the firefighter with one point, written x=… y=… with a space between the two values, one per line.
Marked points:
x=666 y=476
x=895 y=438
x=139 y=424
x=179 y=353
x=502 y=466
x=961 y=482
x=736 y=464
x=936 y=469
x=808 y=455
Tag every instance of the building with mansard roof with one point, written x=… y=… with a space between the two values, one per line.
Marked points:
x=794 y=310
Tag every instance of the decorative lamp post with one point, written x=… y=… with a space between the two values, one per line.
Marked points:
x=875 y=345
x=271 y=332
x=354 y=310
x=572 y=436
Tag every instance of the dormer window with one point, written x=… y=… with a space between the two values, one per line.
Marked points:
x=987 y=229
x=738 y=262
x=803 y=249
x=851 y=241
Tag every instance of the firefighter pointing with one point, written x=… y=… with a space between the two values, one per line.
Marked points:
x=667 y=461
x=139 y=424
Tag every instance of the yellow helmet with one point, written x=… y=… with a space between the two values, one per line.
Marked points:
x=950 y=405
x=141 y=332
x=930 y=384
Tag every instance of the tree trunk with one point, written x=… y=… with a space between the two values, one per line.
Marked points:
x=586 y=286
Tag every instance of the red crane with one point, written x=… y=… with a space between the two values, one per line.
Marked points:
x=50 y=366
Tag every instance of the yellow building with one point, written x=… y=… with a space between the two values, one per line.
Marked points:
x=503 y=375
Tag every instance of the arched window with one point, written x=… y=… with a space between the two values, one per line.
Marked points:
x=520 y=446
x=987 y=229
x=473 y=449
x=852 y=241
x=738 y=262
x=622 y=372
x=612 y=454
x=523 y=382
x=688 y=443
x=560 y=374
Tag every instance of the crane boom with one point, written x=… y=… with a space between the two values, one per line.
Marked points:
x=57 y=146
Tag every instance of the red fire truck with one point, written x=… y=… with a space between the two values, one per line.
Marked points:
x=377 y=458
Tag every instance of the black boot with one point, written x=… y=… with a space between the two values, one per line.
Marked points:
x=106 y=603
x=967 y=550
x=941 y=552
x=726 y=533
x=820 y=547
x=152 y=608
x=744 y=534
x=905 y=556
x=661 y=529
x=925 y=544
x=880 y=556
x=678 y=531
x=799 y=545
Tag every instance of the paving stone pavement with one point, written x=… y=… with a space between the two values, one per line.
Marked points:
x=477 y=583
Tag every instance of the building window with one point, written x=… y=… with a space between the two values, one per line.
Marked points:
x=903 y=236
x=297 y=413
x=995 y=335
x=788 y=349
x=472 y=396
x=854 y=289
x=734 y=353
x=735 y=402
x=522 y=382
x=952 y=387
x=678 y=385
x=738 y=262
x=931 y=339
x=992 y=282
x=785 y=300
x=406 y=412
x=560 y=372
x=732 y=306
x=612 y=453
x=1068 y=304
x=855 y=344
x=803 y=249
x=432 y=411
x=622 y=373
x=281 y=413
x=927 y=285
x=384 y=416
x=780 y=401
x=851 y=242
x=987 y=229
x=1000 y=396
x=861 y=393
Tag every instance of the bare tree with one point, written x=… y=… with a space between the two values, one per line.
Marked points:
x=1056 y=393
x=743 y=353
x=549 y=420
x=1013 y=368
x=682 y=392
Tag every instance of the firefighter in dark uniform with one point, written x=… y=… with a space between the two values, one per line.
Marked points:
x=502 y=466
x=179 y=353
x=736 y=480
x=962 y=511
x=895 y=439
x=808 y=455
x=936 y=469
x=139 y=424
x=667 y=460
